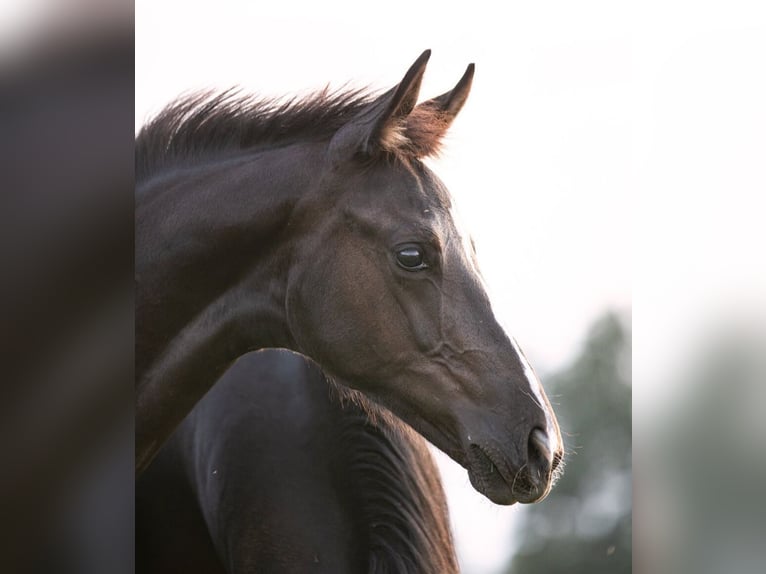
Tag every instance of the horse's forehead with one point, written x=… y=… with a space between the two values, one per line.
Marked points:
x=411 y=185
x=435 y=189
x=435 y=204
x=409 y=195
x=450 y=214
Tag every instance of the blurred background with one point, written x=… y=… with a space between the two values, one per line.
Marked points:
x=606 y=152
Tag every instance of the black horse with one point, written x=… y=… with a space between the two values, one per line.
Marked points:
x=313 y=225
x=275 y=472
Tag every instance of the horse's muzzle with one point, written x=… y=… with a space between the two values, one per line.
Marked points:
x=530 y=481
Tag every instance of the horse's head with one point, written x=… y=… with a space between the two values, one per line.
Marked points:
x=389 y=300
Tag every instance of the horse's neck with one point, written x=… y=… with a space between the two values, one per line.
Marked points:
x=211 y=245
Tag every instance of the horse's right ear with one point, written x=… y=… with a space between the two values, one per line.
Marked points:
x=380 y=126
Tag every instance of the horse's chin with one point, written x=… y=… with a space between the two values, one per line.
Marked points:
x=500 y=488
x=486 y=478
x=493 y=488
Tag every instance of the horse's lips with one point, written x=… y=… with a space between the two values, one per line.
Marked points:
x=483 y=473
x=486 y=478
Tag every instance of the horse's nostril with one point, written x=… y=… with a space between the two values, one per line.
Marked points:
x=539 y=454
x=532 y=482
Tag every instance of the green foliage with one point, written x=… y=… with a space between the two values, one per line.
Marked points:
x=584 y=526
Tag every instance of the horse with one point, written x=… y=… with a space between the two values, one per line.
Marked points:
x=314 y=225
x=272 y=471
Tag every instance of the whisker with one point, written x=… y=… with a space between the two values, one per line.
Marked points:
x=515 y=478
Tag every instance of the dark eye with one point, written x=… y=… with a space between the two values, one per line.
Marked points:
x=410 y=257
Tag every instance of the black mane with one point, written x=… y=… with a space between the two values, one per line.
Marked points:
x=396 y=491
x=210 y=122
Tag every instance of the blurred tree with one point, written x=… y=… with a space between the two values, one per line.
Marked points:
x=707 y=462
x=584 y=526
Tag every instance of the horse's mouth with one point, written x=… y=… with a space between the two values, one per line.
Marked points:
x=497 y=483
x=485 y=476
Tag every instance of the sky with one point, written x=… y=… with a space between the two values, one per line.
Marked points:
x=538 y=162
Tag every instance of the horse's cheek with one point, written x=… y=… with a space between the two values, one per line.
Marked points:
x=335 y=314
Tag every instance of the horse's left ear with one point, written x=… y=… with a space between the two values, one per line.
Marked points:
x=381 y=125
x=429 y=121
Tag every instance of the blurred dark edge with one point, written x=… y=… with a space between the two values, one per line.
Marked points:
x=66 y=298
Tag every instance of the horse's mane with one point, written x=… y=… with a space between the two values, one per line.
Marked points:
x=397 y=491
x=210 y=122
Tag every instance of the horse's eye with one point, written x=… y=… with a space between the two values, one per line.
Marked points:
x=410 y=257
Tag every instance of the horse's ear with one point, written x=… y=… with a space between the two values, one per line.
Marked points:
x=429 y=122
x=381 y=125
